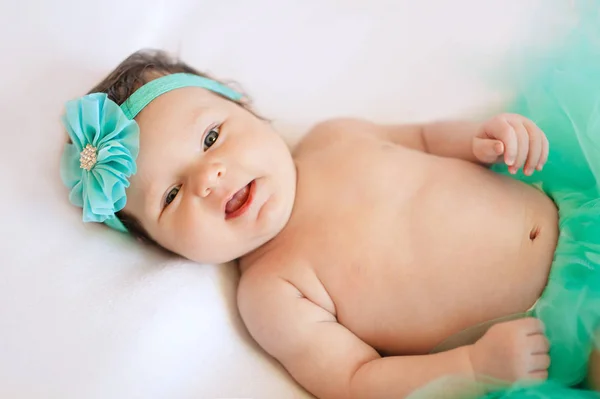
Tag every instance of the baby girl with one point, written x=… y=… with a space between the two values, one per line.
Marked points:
x=375 y=259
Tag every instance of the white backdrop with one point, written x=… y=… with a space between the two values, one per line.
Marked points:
x=87 y=313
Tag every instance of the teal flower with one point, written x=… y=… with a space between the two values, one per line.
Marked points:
x=98 y=162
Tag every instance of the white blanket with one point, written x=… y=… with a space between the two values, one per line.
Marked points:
x=85 y=312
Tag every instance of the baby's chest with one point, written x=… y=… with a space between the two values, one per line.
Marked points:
x=355 y=213
x=373 y=179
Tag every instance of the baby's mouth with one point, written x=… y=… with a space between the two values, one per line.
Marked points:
x=236 y=204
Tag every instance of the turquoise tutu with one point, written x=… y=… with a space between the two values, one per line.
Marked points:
x=563 y=99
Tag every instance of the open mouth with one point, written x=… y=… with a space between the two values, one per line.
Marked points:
x=240 y=201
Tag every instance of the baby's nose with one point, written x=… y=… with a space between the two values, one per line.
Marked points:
x=207 y=178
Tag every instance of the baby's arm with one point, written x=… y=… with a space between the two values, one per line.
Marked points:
x=510 y=138
x=325 y=357
x=452 y=139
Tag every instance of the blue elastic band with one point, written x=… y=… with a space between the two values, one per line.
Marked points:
x=148 y=92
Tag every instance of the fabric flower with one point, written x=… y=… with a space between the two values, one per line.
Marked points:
x=98 y=162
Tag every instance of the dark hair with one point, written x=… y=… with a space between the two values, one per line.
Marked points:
x=136 y=70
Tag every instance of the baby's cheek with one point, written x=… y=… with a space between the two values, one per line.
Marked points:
x=201 y=240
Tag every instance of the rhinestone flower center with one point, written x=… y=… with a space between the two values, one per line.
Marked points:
x=87 y=158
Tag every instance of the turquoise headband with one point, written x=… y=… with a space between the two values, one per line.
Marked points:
x=97 y=164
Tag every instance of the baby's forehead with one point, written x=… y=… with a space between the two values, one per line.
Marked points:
x=177 y=113
x=182 y=100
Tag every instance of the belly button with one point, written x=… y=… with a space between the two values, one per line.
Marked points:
x=535 y=232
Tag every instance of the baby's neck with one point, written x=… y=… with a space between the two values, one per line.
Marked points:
x=242 y=265
x=254 y=257
x=267 y=250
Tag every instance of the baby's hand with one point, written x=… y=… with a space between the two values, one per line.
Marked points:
x=510 y=351
x=516 y=139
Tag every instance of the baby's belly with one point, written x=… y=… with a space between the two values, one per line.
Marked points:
x=458 y=252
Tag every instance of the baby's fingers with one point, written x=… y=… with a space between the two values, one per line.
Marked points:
x=522 y=146
x=540 y=363
x=536 y=140
x=545 y=152
x=541 y=375
x=487 y=150
x=538 y=344
x=503 y=131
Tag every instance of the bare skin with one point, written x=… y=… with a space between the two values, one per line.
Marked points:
x=366 y=247
x=399 y=208
x=410 y=248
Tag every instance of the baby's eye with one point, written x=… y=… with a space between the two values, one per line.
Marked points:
x=171 y=195
x=211 y=138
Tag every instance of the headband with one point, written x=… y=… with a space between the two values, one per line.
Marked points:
x=97 y=164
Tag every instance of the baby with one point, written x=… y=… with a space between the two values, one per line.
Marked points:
x=375 y=260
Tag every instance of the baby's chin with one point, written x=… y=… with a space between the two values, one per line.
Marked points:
x=228 y=255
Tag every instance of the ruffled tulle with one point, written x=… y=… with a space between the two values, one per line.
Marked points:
x=112 y=142
x=563 y=99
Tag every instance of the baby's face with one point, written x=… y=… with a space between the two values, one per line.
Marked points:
x=214 y=182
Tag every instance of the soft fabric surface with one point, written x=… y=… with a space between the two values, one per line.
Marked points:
x=563 y=101
x=85 y=312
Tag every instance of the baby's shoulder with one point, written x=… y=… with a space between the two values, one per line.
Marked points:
x=336 y=131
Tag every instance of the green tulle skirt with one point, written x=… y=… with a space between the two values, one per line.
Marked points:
x=566 y=106
x=563 y=99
